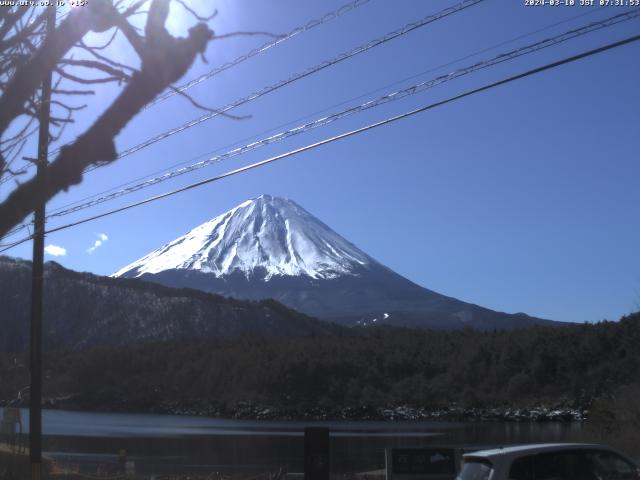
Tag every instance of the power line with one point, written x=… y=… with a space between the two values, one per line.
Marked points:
x=350 y=133
x=411 y=90
x=7 y=246
x=311 y=24
x=409 y=27
x=275 y=86
x=370 y=92
x=327 y=17
x=394 y=96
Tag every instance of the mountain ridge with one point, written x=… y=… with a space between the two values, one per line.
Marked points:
x=83 y=310
x=270 y=247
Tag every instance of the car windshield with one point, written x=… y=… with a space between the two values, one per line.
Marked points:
x=610 y=466
x=475 y=469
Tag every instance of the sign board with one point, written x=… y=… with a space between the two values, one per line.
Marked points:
x=316 y=453
x=130 y=468
x=429 y=463
x=10 y=420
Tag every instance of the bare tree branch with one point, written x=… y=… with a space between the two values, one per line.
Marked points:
x=68 y=107
x=24 y=32
x=103 y=58
x=136 y=41
x=89 y=81
x=104 y=46
x=58 y=120
x=94 y=65
x=196 y=16
x=14 y=150
x=133 y=8
x=164 y=59
x=207 y=109
x=27 y=79
x=10 y=20
x=73 y=92
x=19 y=134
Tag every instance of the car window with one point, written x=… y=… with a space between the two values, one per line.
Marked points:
x=564 y=465
x=610 y=466
x=522 y=468
x=475 y=470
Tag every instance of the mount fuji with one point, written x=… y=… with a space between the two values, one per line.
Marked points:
x=270 y=247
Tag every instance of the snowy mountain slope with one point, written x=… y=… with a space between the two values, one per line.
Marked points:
x=267 y=234
x=271 y=247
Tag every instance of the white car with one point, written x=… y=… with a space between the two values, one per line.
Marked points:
x=558 y=461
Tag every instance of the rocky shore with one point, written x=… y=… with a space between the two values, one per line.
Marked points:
x=560 y=412
x=397 y=413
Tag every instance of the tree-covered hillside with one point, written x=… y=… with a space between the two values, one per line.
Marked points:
x=82 y=310
x=575 y=363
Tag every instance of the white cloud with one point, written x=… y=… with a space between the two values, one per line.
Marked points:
x=102 y=237
x=55 y=250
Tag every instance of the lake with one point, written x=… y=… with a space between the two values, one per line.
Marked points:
x=172 y=443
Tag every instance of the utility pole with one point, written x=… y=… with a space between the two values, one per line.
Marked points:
x=35 y=397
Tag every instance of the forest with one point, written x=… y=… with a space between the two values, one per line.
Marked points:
x=384 y=367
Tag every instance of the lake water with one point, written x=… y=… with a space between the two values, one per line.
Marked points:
x=162 y=443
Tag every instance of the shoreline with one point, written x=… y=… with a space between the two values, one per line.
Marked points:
x=563 y=413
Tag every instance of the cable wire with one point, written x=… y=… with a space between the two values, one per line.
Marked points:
x=350 y=133
x=412 y=90
x=394 y=96
x=409 y=27
x=327 y=17
x=352 y=99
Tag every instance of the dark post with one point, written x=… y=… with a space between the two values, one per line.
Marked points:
x=35 y=398
x=316 y=453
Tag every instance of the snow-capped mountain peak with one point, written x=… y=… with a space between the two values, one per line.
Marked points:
x=267 y=236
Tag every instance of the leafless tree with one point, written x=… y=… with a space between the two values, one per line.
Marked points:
x=27 y=55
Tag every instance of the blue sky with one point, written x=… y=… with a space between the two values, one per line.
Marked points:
x=523 y=198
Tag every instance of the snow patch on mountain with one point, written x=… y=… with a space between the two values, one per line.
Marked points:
x=266 y=234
